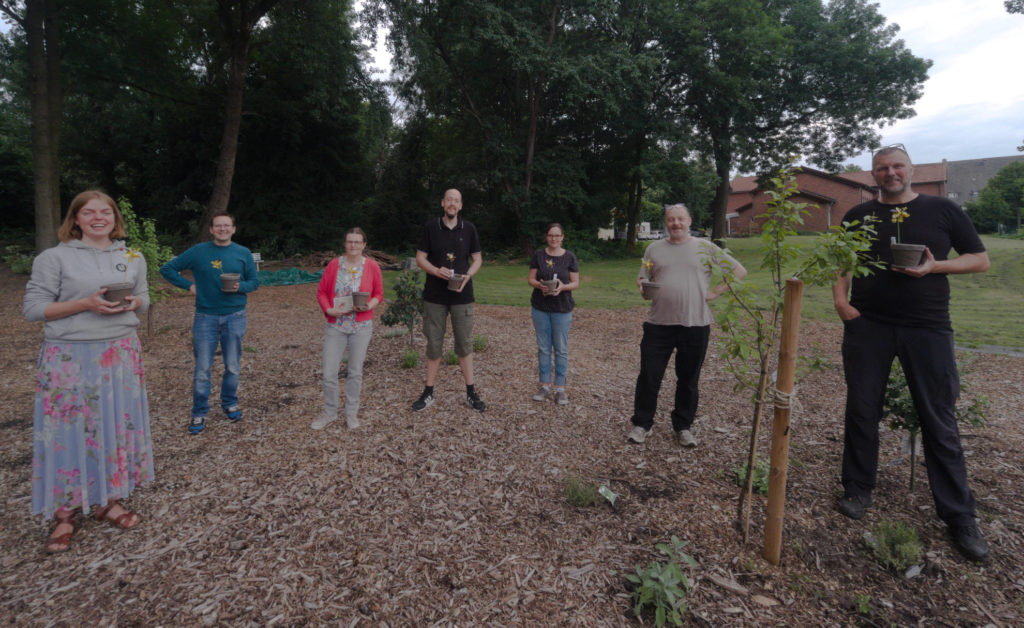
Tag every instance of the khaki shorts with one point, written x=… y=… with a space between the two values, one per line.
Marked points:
x=435 y=320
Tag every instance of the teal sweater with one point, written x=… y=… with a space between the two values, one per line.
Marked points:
x=207 y=261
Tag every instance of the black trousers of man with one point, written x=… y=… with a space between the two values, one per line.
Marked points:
x=930 y=367
x=690 y=345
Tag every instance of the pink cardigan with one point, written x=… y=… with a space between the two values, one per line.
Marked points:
x=372 y=282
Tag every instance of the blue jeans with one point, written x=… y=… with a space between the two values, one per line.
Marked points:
x=207 y=331
x=552 y=335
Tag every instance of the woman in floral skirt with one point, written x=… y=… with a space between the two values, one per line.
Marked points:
x=91 y=441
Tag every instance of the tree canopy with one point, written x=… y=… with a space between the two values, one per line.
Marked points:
x=1001 y=202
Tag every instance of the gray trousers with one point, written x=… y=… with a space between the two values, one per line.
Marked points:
x=335 y=343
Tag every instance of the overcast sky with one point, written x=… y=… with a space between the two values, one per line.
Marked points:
x=973 y=102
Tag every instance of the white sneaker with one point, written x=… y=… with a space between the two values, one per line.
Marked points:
x=685 y=438
x=561 y=398
x=323 y=421
x=352 y=421
x=542 y=394
x=637 y=434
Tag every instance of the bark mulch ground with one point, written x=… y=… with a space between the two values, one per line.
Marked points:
x=452 y=517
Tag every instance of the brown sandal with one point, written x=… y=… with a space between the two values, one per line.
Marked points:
x=125 y=520
x=58 y=543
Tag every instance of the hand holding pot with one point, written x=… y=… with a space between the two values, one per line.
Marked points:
x=922 y=269
x=98 y=303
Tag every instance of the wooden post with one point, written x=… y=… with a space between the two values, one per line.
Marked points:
x=780 y=423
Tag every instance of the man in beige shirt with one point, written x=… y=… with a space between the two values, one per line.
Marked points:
x=679 y=321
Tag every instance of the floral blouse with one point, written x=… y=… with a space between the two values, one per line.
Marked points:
x=348 y=281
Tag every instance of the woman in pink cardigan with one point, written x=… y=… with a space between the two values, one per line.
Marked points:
x=348 y=325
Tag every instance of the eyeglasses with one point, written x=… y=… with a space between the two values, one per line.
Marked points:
x=554 y=235
x=899 y=147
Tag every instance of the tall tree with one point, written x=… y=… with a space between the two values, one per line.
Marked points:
x=41 y=21
x=239 y=20
x=1001 y=202
x=771 y=79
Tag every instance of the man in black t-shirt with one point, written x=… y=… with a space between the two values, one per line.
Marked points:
x=904 y=312
x=449 y=246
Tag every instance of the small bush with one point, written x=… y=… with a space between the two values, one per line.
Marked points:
x=410 y=358
x=479 y=343
x=579 y=492
x=760 y=480
x=451 y=359
x=895 y=545
x=663 y=588
x=18 y=261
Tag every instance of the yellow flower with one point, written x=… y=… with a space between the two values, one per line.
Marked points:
x=450 y=257
x=899 y=214
x=131 y=254
x=551 y=263
x=216 y=264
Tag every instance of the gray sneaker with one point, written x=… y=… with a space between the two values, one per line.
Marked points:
x=561 y=398
x=323 y=421
x=637 y=434
x=685 y=438
x=352 y=421
x=542 y=394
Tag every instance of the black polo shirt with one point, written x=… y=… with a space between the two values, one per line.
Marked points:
x=437 y=241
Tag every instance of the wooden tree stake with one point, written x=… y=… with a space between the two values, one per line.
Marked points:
x=780 y=423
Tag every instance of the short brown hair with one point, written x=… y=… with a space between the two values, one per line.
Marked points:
x=70 y=231
x=357 y=231
x=220 y=214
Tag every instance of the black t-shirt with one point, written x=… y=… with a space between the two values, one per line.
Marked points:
x=547 y=267
x=893 y=298
x=438 y=241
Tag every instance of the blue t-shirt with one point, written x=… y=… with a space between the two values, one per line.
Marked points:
x=208 y=261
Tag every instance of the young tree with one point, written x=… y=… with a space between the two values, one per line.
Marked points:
x=1001 y=201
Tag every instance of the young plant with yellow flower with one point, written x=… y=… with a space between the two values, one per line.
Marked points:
x=899 y=214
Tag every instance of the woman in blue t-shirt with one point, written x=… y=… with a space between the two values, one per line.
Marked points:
x=551 y=308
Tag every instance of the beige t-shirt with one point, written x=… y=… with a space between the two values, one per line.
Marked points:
x=683 y=272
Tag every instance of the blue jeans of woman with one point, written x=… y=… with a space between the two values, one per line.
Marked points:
x=552 y=337
x=335 y=342
x=209 y=330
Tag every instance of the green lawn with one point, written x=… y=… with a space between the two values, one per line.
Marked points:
x=986 y=308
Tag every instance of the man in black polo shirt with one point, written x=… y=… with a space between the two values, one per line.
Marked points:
x=904 y=312
x=448 y=246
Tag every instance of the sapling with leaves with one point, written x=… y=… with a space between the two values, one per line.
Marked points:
x=750 y=316
x=140 y=235
x=407 y=306
x=899 y=408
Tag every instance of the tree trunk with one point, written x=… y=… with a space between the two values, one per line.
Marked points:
x=42 y=24
x=229 y=136
x=722 y=149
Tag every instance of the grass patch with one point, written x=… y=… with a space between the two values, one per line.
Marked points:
x=579 y=492
x=450 y=358
x=759 y=483
x=895 y=545
x=480 y=343
x=410 y=358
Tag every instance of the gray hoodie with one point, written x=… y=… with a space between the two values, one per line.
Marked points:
x=73 y=270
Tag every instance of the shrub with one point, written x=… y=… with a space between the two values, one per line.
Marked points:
x=19 y=262
x=895 y=545
x=450 y=358
x=479 y=343
x=663 y=587
x=760 y=479
x=410 y=358
x=407 y=307
x=579 y=492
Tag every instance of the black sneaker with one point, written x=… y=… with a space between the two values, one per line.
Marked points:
x=425 y=401
x=198 y=424
x=474 y=401
x=969 y=541
x=853 y=505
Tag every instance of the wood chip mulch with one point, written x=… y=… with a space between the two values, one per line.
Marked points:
x=452 y=517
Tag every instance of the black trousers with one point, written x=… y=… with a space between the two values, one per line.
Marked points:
x=690 y=345
x=930 y=366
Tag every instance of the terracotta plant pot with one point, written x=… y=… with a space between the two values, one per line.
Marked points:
x=359 y=299
x=906 y=255
x=549 y=284
x=228 y=281
x=650 y=290
x=455 y=281
x=118 y=292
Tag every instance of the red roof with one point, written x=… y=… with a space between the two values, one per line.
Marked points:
x=743 y=184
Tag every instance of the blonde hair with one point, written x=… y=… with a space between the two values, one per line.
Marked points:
x=70 y=231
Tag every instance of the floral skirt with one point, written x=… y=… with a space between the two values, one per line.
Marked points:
x=91 y=441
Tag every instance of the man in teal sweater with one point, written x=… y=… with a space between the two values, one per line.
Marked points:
x=220 y=313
